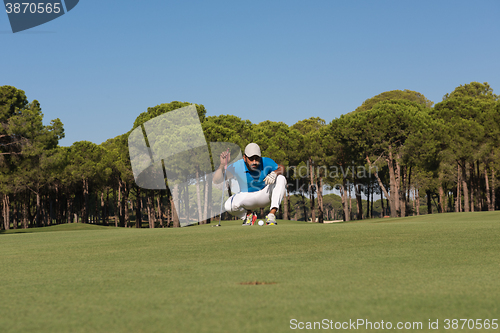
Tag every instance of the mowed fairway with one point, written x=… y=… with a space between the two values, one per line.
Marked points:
x=84 y=278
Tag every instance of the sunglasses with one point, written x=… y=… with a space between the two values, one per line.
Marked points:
x=253 y=158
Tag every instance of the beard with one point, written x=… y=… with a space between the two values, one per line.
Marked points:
x=253 y=166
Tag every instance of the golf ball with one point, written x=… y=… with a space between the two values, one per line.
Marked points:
x=261 y=222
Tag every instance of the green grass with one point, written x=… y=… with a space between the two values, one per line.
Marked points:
x=60 y=227
x=105 y=279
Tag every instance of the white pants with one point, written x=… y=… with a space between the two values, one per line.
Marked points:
x=239 y=203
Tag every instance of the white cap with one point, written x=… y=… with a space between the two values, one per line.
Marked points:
x=252 y=149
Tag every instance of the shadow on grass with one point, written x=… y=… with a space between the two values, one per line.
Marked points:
x=59 y=227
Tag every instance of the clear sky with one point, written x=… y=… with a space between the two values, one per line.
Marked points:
x=103 y=63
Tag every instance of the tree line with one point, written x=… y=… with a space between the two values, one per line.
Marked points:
x=397 y=149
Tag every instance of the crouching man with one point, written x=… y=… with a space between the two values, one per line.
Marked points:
x=261 y=183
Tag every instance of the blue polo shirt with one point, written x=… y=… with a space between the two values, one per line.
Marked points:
x=252 y=181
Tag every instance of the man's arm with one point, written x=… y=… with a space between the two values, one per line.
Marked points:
x=218 y=175
x=280 y=170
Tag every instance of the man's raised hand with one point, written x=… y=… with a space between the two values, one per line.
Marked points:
x=224 y=158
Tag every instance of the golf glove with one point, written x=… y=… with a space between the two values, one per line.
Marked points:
x=270 y=178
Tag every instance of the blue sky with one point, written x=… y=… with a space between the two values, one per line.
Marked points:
x=102 y=64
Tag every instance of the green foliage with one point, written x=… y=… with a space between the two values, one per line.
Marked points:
x=276 y=141
x=473 y=90
x=343 y=146
x=116 y=158
x=85 y=157
x=388 y=125
x=25 y=143
x=396 y=129
x=155 y=111
x=308 y=133
x=12 y=101
x=406 y=94
x=228 y=128
x=470 y=122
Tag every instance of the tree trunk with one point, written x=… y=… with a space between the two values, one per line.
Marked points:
x=286 y=204
x=2 y=220
x=441 y=197
x=472 y=186
x=383 y=214
x=304 y=206
x=480 y=198
x=320 y=200
x=123 y=205
x=24 y=222
x=151 y=220
x=402 y=191
x=116 y=211
x=103 y=208
x=414 y=201
x=173 y=204
x=38 y=211
x=127 y=204
x=120 y=204
x=186 y=203
x=58 y=203
x=465 y=188
x=493 y=189
x=429 y=202
x=62 y=205
x=458 y=197
x=169 y=209
x=359 y=202
x=206 y=203
x=45 y=219
x=159 y=212
x=382 y=187
x=51 y=210
x=85 y=206
x=198 y=196
x=15 y=213
x=6 y=211
x=394 y=172
x=408 y=192
x=368 y=201
x=107 y=210
x=350 y=202
x=417 y=193
x=210 y=208
x=345 y=203
x=69 y=207
x=138 y=209
x=371 y=201
x=487 y=184
x=312 y=189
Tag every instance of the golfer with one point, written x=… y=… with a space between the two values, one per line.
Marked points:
x=261 y=183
